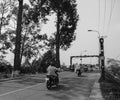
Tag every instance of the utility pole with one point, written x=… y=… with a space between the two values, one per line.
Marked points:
x=102 y=57
x=101 y=53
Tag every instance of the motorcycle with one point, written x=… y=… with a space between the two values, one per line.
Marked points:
x=51 y=81
x=79 y=72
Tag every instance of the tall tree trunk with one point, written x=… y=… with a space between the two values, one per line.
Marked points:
x=58 y=40
x=17 y=58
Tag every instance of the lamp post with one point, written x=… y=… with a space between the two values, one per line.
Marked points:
x=99 y=43
x=101 y=54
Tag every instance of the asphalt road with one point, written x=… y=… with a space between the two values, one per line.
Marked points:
x=71 y=87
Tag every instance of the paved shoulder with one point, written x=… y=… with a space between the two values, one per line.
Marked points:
x=105 y=90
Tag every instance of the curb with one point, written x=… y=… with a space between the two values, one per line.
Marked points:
x=96 y=91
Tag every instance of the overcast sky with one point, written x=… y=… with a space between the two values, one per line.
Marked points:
x=94 y=15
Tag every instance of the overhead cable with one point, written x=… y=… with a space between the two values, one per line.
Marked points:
x=111 y=11
x=104 y=17
x=99 y=16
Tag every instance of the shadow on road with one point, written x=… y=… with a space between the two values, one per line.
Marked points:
x=82 y=75
x=109 y=90
x=72 y=88
x=30 y=81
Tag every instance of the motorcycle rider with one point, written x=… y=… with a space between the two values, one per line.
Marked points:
x=78 y=67
x=52 y=71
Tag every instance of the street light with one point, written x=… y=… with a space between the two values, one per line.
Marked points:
x=98 y=33
x=95 y=31
x=101 y=53
x=98 y=37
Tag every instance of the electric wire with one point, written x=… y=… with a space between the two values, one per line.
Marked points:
x=104 y=17
x=109 y=19
x=111 y=11
x=99 y=16
x=99 y=22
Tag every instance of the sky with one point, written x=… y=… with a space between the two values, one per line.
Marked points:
x=93 y=15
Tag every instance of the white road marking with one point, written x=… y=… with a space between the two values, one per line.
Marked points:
x=19 y=90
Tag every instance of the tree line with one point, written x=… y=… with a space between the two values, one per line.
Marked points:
x=20 y=30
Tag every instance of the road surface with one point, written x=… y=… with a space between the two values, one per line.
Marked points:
x=71 y=87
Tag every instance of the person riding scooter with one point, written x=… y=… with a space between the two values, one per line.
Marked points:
x=52 y=72
x=78 y=69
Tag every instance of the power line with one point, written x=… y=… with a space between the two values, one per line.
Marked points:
x=104 y=17
x=111 y=11
x=99 y=16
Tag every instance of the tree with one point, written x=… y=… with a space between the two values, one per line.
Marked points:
x=29 y=33
x=28 y=18
x=66 y=23
x=47 y=59
x=28 y=24
x=31 y=40
x=113 y=66
x=17 y=59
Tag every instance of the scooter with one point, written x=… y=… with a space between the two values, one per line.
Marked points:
x=51 y=81
x=79 y=72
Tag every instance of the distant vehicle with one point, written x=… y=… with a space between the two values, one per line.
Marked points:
x=78 y=69
x=85 y=68
x=78 y=72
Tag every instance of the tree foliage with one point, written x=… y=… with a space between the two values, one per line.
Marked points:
x=5 y=9
x=30 y=34
x=31 y=41
x=47 y=59
x=68 y=21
